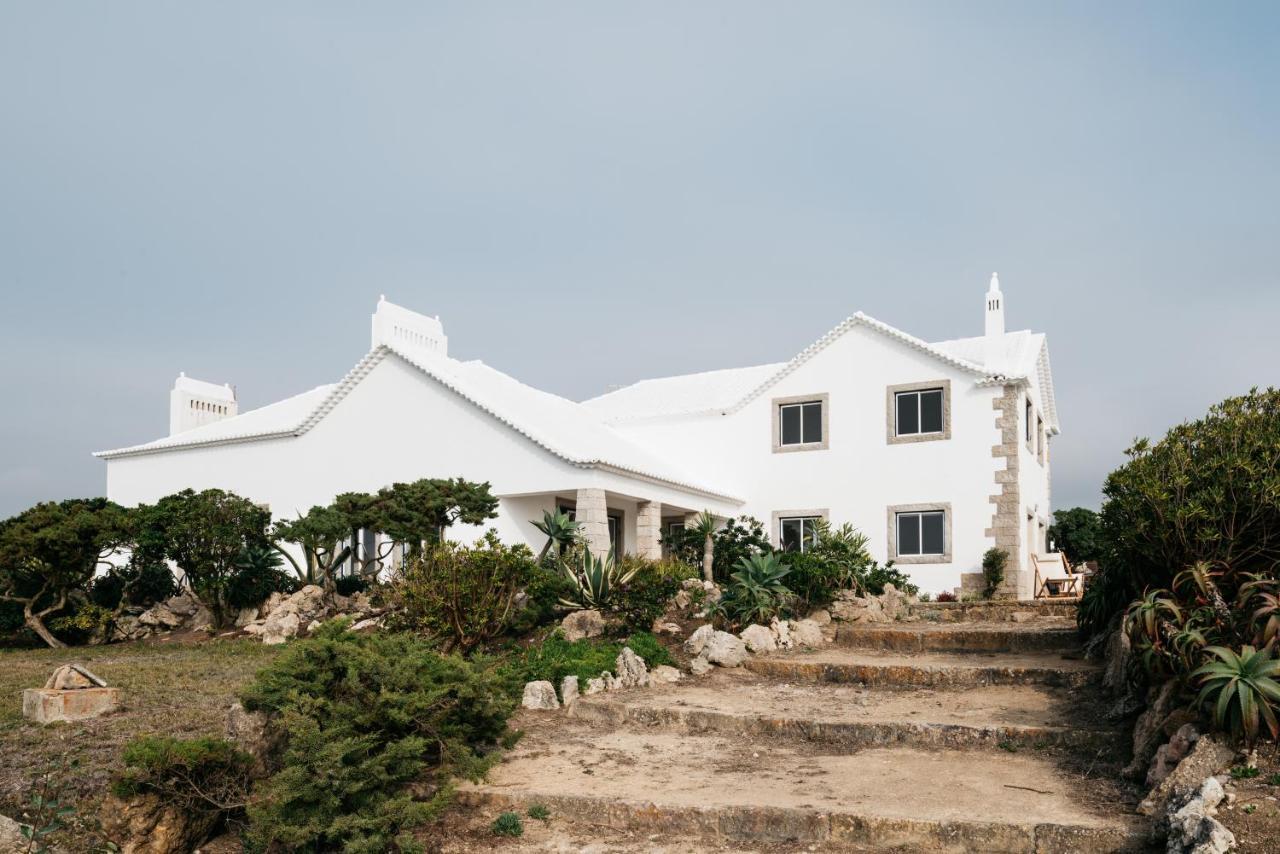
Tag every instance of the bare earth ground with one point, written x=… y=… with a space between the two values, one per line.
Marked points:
x=167 y=688
x=1254 y=816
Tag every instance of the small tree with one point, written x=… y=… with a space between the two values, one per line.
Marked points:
x=324 y=535
x=54 y=548
x=204 y=533
x=1077 y=533
x=560 y=529
x=994 y=561
x=705 y=527
x=418 y=513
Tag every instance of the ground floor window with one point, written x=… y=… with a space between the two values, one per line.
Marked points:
x=922 y=533
x=798 y=533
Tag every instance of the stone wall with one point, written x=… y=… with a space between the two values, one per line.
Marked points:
x=1006 y=518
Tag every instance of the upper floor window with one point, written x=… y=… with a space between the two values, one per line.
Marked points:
x=798 y=533
x=919 y=412
x=1030 y=420
x=800 y=423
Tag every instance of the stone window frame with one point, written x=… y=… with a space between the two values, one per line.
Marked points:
x=892 y=515
x=775 y=412
x=891 y=412
x=1029 y=430
x=775 y=529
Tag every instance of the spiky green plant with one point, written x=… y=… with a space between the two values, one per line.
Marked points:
x=595 y=578
x=1242 y=689
x=561 y=531
x=756 y=592
x=1263 y=595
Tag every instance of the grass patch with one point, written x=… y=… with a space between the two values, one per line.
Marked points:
x=1244 y=772
x=508 y=824
x=555 y=658
x=539 y=812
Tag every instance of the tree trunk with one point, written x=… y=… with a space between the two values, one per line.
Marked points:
x=708 y=558
x=36 y=625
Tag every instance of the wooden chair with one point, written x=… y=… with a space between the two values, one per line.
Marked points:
x=1056 y=578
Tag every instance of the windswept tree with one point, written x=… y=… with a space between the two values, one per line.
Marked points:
x=205 y=534
x=53 y=548
x=418 y=513
x=324 y=534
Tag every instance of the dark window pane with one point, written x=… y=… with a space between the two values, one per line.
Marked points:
x=908 y=413
x=792 y=533
x=932 y=540
x=813 y=422
x=790 y=425
x=810 y=532
x=1028 y=420
x=931 y=411
x=908 y=533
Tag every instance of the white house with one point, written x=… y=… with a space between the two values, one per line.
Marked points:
x=937 y=451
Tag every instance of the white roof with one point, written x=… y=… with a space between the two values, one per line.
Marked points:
x=686 y=394
x=567 y=429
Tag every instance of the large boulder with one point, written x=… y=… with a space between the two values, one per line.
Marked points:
x=539 y=695
x=849 y=607
x=1169 y=755
x=582 y=624
x=280 y=626
x=631 y=669
x=569 y=690
x=1192 y=828
x=758 y=638
x=1209 y=756
x=252 y=733
x=146 y=825
x=696 y=641
x=807 y=633
x=1148 y=732
x=725 y=649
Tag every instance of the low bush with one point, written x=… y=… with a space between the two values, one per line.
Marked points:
x=649 y=587
x=554 y=658
x=947 y=596
x=544 y=590
x=87 y=623
x=875 y=577
x=374 y=727
x=138 y=583
x=349 y=585
x=508 y=824
x=257 y=575
x=207 y=779
x=994 y=561
x=462 y=597
x=816 y=578
x=756 y=592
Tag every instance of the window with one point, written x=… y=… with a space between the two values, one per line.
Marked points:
x=1040 y=438
x=922 y=533
x=798 y=533
x=919 y=412
x=800 y=423
x=1029 y=422
x=675 y=528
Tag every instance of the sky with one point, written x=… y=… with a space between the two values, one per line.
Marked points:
x=594 y=193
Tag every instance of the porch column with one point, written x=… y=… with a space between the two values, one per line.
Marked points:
x=593 y=517
x=649 y=529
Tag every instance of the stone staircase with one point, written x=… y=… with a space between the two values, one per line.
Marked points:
x=967 y=735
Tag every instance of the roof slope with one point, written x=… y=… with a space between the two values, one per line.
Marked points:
x=686 y=394
x=567 y=429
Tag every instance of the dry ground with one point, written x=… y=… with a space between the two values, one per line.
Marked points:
x=167 y=688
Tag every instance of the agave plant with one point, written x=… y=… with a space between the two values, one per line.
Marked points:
x=755 y=593
x=594 y=579
x=561 y=531
x=1242 y=689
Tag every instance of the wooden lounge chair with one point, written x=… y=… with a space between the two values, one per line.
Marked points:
x=1056 y=578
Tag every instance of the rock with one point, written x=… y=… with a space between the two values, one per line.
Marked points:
x=245 y=616
x=1022 y=616
x=807 y=633
x=1169 y=755
x=667 y=629
x=1192 y=828
x=279 y=627
x=48 y=705
x=582 y=624
x=1115 y=678
x=725 y=650
x=72 y=676
x=255 y=628
x=594 y=686
x=1148 y=731
x=11 y=839
x=272 y=603
x=184 y=605
x=201 y=619
x=664 y=674
x=569 y=690
x=128 y=627
x=682 y=600
x=821 y=616
x=251 y=733
x=632 y=671
x=893 y=603
x=540 y=695
x=1208 y=757
x=758 y=638
x=368 y=623
x=360 y=602
x=159 y=616
x=146 y=825
x=852 y=608
x=699 y=666
x=313 y=625
x=696 y=641
x=782 y=633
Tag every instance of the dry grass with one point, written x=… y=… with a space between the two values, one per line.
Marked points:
x=168 y=688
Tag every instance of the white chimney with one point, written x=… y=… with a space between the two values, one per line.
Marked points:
x=193 y=403
x=398 y=326
x=993 y=347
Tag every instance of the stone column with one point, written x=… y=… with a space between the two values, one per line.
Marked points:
x=649 y=529
x=593 y=517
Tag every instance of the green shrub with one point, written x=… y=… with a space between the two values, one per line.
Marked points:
x=649 y=587
x=544 y=590
x=1107 y=594
x=876 y=577
x=1077 y=533
x=538 y=811
x=508 y=824
x=141 y=583
x=207 y=779
x=554 y=658
x=374 y=727
x=994 y=560
x=349 y=585
x=756 y=592
x=947 y=596
x=462 y=597
x=88 y=623
x=739 y=538
x=595 y=578
x=816 y=578
x=257 y=575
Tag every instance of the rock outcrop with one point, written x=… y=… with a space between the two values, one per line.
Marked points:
x=582 y=624
x=540 y=695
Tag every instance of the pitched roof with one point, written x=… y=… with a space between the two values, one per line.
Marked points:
x=567 y=429
x=726 y=391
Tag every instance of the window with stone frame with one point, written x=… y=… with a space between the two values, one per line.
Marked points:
x=922 y=533
x=798 y=533
x=918 y=412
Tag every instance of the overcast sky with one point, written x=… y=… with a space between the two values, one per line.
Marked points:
x=590 y=194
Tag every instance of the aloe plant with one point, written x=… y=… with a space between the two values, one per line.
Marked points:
x=1242 y=689
x=561 y=531
x=594 y=579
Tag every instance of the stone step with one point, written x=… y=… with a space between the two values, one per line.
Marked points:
x=998 y=612
x=960 y=637
x=696 y=787
x=846 y=718
x=879 y=668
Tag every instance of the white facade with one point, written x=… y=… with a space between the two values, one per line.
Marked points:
x=659 y=450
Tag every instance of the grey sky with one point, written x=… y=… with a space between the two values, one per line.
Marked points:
x=594 y=193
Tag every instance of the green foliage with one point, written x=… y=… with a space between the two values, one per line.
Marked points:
x=594 y=579
x=1107 y=594
x=543 y=592
x=561 y=530
x=324 y=534
x=1273 y=780
x=141 y=583
x=539 y=812
x=508 y=824
x=1077 y=533
x=205 y=778
x=419 y=512
x=837 y=561
x=462 y=597
x=554 y=658
x=365 y=717
x=994 y=561
x=756 y=592
x=205 y=534
x=87 y=623
x=49 y=805
x=739 y=538
x=257 y=575
x=1242 y=690
x=876 y=577
x=649 y=587
x=349 y=585
x=54 y=548
x=1245 y=772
